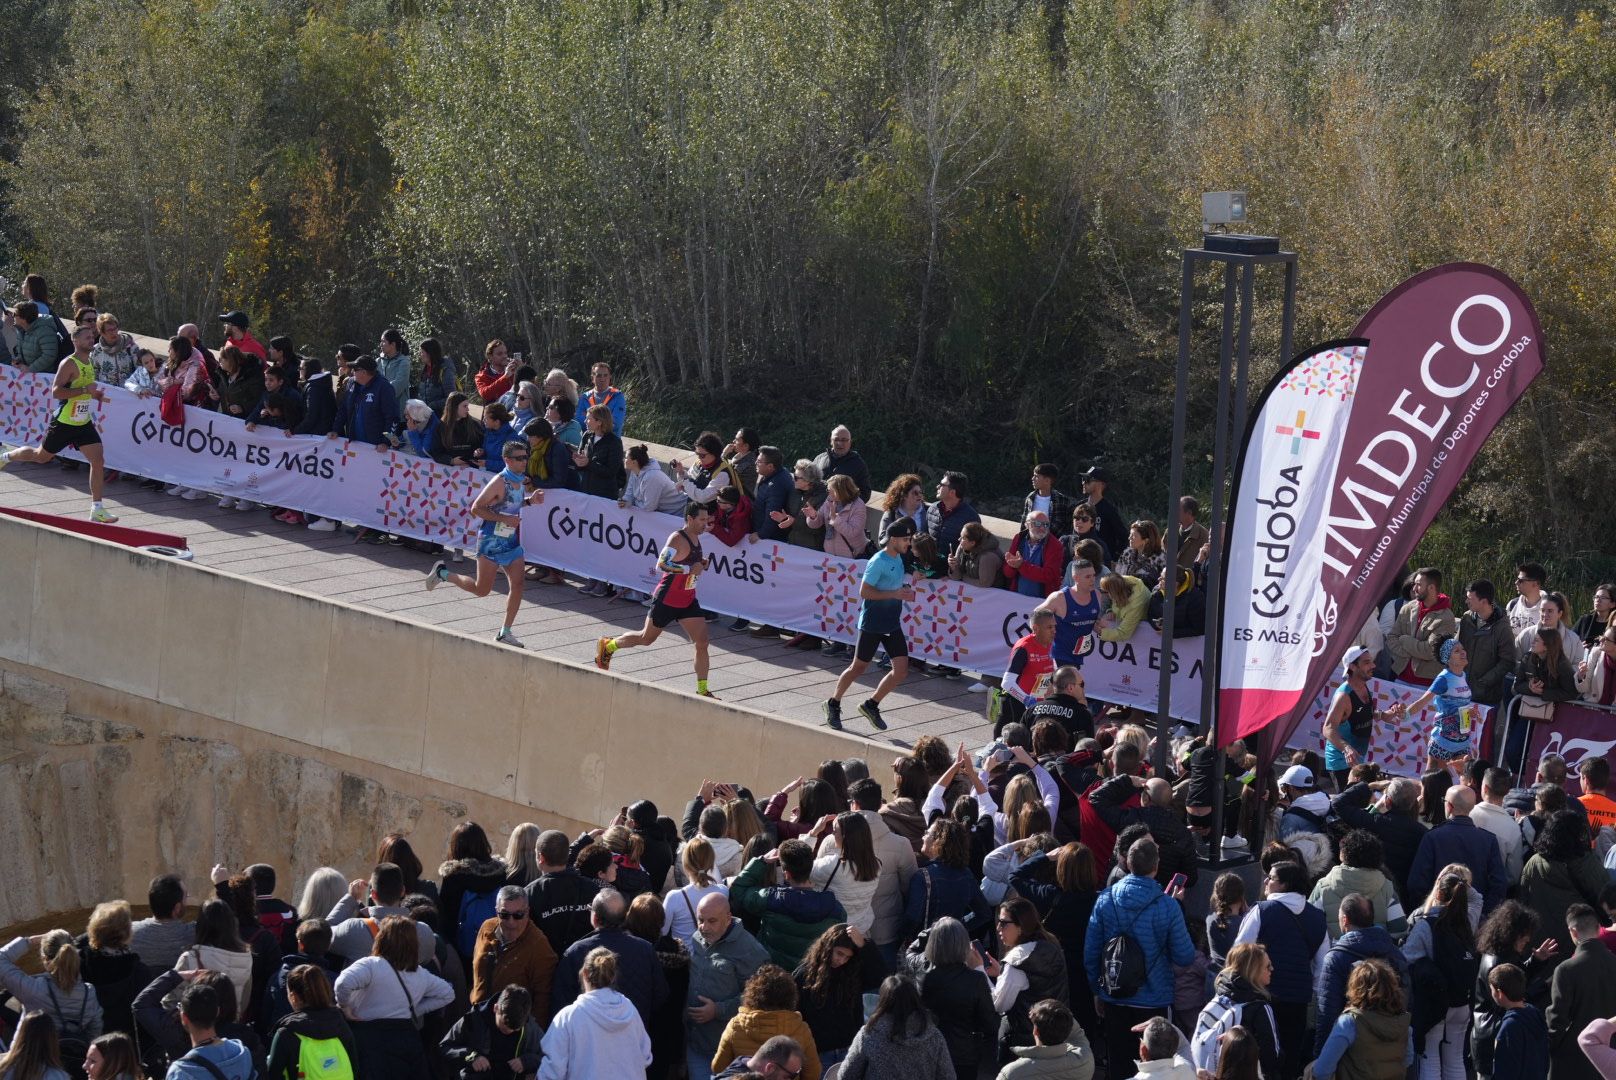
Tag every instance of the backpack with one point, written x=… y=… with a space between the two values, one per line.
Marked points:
x=73 y=1045
x=1122 y=962
x=1217 y=1019
x=476 y=908
x=64 y=340
x=1455 y=965
x=323 y=1059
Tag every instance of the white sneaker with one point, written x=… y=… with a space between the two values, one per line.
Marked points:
x=174 y=489
x=977 y=688
x=247 y=504
x=4 y=450
x=227 y=503
x=434 y=576
x=322 y=525
x=191 y=495
x=505 y=637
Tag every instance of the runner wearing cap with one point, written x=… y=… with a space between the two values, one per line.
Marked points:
x=1350 y=724
x=882 y=594
x=73 y=421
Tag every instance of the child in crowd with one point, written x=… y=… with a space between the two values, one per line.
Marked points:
x=143 y=380
x=1228 y=909
x=497 y=431
x=1521 y=1051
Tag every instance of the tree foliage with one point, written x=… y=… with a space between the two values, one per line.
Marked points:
x=952 y=223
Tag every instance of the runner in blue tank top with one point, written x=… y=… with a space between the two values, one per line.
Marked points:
x=499 y=508
x=1077 y=609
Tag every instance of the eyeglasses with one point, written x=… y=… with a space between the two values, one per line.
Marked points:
x=1038 y=525
x=511 y=916
x=1007 y=922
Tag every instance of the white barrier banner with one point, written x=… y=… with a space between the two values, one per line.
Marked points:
x=950 y=622
x=335 y=478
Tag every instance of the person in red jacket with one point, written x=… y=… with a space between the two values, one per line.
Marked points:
x=499 y=368
x=1033 y=567
x=733 y=519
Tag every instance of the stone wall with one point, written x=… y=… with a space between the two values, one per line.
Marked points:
x=161 y=716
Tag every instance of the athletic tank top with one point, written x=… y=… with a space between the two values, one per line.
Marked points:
x=510 y=504
x=1074 y=631
x=1356 y=731
x=679 y=590
x=76 y=410
x=1034 y=677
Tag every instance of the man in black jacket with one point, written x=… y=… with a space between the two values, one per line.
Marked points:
x=1068 y=704
x=1107 y=521
x=501 y=1034
x=1584 y=991
x=1485 y=634
x=842 y=460
x=559 y=897
x=1156 y=813
x=1395 y=821
x=639 y=974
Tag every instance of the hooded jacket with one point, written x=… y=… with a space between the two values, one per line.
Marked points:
x=286 y=1044
x=472 y=1037
x=1371 y=883
x=793 y=918
x=229 y=1056
x=1522 y=1046
x=117 y=975
x=751 y=1028
x=319 y=406
x=1063 y=1061
x=1256 y=1016
x=598 y=1037
x=460 y=876
x=1373 y=943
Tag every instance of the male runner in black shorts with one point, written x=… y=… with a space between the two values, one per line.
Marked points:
x=882 y=594
x=73 y=421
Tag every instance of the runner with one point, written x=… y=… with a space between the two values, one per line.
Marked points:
x=500 y=506
x=74 y=422
x=1026 y=679
x=1350 y=724
x=882 y=594
x=674 y=599
x=1455 y=713
x=1076 y=609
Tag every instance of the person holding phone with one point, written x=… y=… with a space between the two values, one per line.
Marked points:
x=885 y=589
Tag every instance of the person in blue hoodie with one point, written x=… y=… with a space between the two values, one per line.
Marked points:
x=1521 y=1051
x=420 y=428
x=369 y=410
x=497 y=431
x=793 y=914
x=1136 y=905
x=199 y=1014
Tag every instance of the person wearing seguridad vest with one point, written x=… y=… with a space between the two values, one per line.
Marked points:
x=1028 y=674
x=73 y=421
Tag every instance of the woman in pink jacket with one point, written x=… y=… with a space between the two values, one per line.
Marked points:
x=842 y=515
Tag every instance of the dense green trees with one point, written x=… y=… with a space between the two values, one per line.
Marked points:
x=951 y=223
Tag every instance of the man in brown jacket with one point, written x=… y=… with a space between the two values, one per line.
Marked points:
x=511 y=953
x=1422 y=625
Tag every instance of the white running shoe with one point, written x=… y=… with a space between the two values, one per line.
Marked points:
x=977 y=688
x=247 y=504
x=192 y=495
x=227 y=503
x=174 y=489
x=322 y=525
x=4 y=450
x=434 y=576
x=505 y=637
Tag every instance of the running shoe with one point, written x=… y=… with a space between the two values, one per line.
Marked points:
x=102 y=517
x=434 y=576
x=505 y=637
x=227 y=503
x=322 y=525
x=192 y=495
x=833 y=713
x=603 y=658
x=740 y=624
x=174 y=489
x=707 y=694
x=871 y=711
x=247 y=504
x=4 y=450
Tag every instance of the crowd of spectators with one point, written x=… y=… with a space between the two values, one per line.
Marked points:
x=1025 y=910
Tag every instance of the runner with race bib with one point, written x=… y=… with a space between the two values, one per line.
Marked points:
x=1456 y=714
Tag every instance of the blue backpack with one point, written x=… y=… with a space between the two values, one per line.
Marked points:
x=476 y=908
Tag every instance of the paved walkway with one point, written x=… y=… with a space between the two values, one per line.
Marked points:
x=556 y=620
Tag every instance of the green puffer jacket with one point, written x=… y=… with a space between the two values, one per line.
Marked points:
x=793 y=918
x=36 y=346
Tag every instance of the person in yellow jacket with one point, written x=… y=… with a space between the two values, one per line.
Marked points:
x=768 y=1008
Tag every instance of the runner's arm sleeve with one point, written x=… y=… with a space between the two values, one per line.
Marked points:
x=666 y=564
x=1018 y=664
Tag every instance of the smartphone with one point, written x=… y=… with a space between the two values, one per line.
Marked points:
x=1178 y=881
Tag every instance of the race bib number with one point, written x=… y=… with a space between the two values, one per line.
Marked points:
x=504 y=530
x=79 y=410
x=1042 y=685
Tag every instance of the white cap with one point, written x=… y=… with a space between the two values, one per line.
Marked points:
x=1297 y=776
x=1352 y=657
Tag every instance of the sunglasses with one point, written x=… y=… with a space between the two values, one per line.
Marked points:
x=1007 y=922
x=511 y=916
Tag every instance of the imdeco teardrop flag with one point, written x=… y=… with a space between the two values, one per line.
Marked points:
x=1351 y=451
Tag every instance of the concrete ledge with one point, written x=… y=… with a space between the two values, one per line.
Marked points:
x=261 y=723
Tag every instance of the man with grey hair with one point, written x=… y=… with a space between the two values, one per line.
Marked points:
x=778 y=1059
x=723 y=956
x=510 y=952
x=842 y=460
x=1397 y=823
x=1159 y=1056
x=639 y=974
